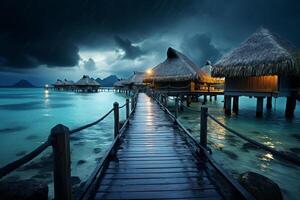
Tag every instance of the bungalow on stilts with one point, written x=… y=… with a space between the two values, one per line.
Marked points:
x=264 y=66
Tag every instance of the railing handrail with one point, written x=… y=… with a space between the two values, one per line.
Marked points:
x=10 y=167
x=232 y=181
x=287 y=157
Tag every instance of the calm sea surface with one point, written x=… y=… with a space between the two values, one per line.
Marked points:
x=27 y=115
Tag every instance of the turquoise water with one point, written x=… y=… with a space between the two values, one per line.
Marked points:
x=27 y=116
x=272 y=130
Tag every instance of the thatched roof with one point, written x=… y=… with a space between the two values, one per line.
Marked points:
x=177 y=67
x=58 y=83
x=87 y=81
x=263 y=53
x=122 y=83
x=66 y=82
x=137 y=78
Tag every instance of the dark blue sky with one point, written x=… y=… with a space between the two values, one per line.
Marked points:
x=44 y=40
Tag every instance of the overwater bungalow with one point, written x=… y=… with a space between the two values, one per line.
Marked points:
x=179 y=73
x=136 y=81
x=86 y=84
x=263 y=66
x=121 y=85
x=68 y=85
x=58 y=85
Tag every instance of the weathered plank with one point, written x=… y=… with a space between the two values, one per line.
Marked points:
x=154 y=162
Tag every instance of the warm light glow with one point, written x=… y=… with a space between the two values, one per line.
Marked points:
x=149 y=71
x=46 y=85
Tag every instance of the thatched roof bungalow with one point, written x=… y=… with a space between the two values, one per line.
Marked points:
x=263 y=65
x=178 y=72
x=87 y=84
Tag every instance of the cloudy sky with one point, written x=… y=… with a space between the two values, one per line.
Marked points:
x=44 y=40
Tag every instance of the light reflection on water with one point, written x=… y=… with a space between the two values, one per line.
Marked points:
x=236 y=155
x=27 y=115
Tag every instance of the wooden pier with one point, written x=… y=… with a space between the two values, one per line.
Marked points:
x=154 y=161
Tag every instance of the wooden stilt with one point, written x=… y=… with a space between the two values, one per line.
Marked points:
x=227 y=105
x=259 y=106
x=290 y=107
x=215 y=97
x=188 y=101
x=205 y=98
x=269 y=103
x=210 y=98
x=235 y=107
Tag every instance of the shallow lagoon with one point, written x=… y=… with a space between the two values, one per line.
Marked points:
x=237 y=156
x=27 y=115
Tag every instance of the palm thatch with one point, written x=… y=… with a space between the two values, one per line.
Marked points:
x=263 y=53
x=58 y=83
x=177 y=67
x=68 y=83
x=87 y=81
x=122 y=83
x=137 y=78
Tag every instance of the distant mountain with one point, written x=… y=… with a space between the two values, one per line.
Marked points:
x=23 y=84
x=108 y=81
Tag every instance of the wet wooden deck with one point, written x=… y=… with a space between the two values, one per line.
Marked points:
x=154 y=162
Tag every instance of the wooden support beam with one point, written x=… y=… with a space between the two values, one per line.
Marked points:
x=227 y=105
x=127 y=108
x=290 y=107
x=116 y=119
x=259 y=106
x=62 y=163
x=188 y=101
x=203 y=128
x=269 y=103
x=215 y=97
x=235 y=107
x=205 y=98
x=210 y=97
x=176 y=107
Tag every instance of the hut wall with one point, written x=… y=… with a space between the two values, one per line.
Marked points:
x=252 y=84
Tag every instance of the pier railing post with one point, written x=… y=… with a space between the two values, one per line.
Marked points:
x=203 y=129
x=116 y=119
x=127 y=108
x=61 y=157
x=132 y=102
x=176 y=107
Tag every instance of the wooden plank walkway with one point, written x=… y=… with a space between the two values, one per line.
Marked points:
x=154 y=162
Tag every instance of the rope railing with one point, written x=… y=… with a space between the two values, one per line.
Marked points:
x=60 y=142
x=25 y=159
x=280 y=154
x=90 y=124
x=204 y=150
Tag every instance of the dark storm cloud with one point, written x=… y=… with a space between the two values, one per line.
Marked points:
x=131 y=51
x=200 y=49
x=51 y=32
x=34 y=32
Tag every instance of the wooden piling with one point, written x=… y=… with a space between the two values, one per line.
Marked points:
x=215 y=97
x=176 y=107
x=290 y=107
x=116 y=119
x=203 y=128
x=205 y=98
x=235 y=107
x=210 y=97
x=127 y=108
x=227 y=105
x=259 y=106
x=61 y=162
x=269 y=103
